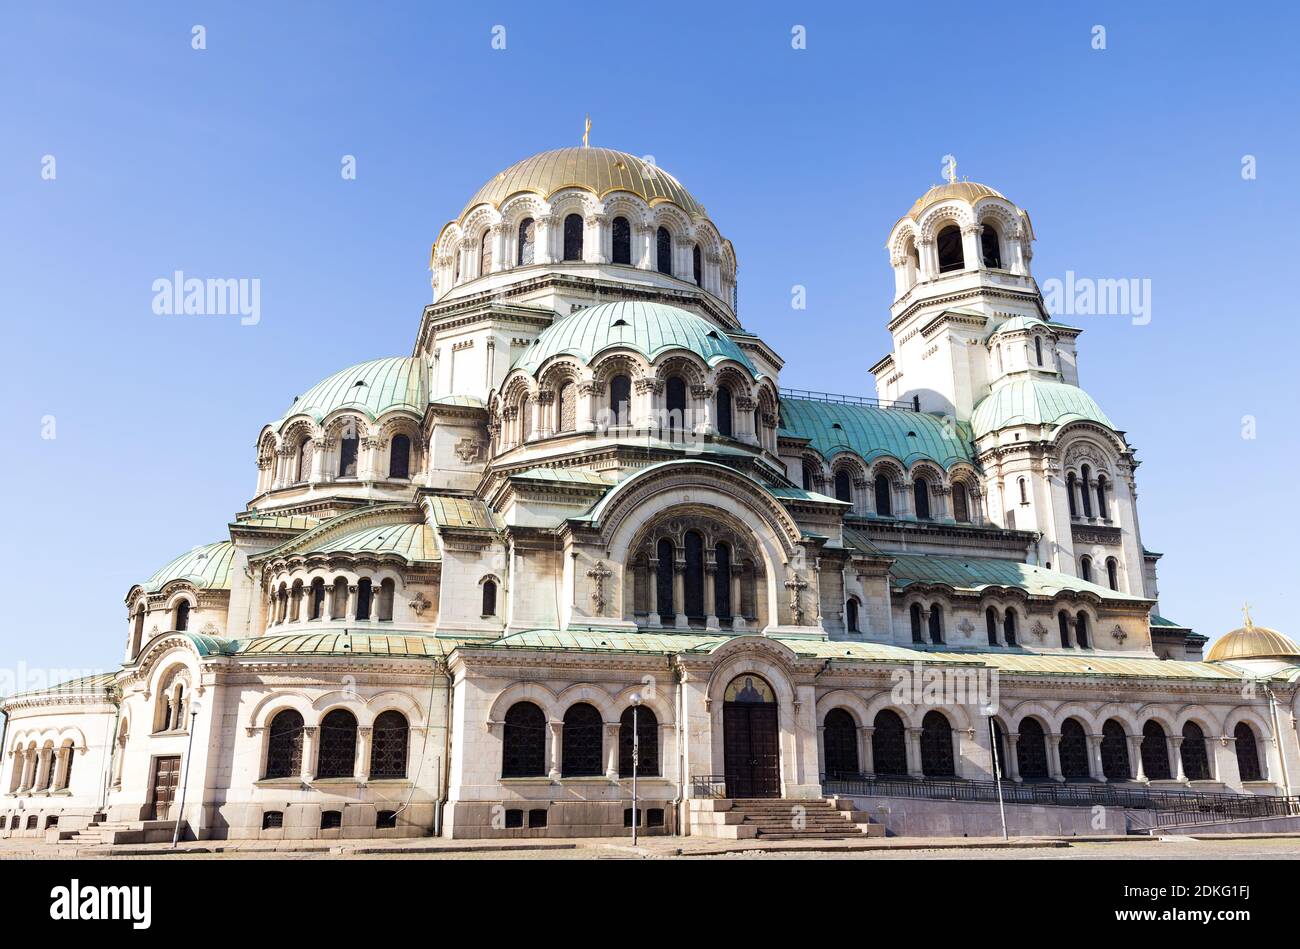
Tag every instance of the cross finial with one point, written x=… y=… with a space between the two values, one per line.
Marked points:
x=586 y=130
x=1245 y=609
x=950 y=168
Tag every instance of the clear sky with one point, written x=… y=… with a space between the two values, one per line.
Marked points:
x=225 y=162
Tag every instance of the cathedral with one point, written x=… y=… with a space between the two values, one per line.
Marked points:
x=582 y=531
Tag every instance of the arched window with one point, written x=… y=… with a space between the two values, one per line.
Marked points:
x=1085 y=477
x=989 y=248
x=840 y=739
x=693 y=580
x=305 y=451
x=667 y=555
x=888 y=745
x=387 y=591
x=884 y=503
x=724 y=412
x=1074 y=751
x=399 y=457
x=581 y=742
x=664 y=251
x=1114 y=752
x=1112 y=572
x=1081 y=637
x=621 y=231
x=843 y=486
x=851 y=614
x=809 y=477
x=339 y=599
x=647 y=733
x=573 y=237
x=566 y=408
x=1155 y=752
x=1069 y=493
x=1247 y=753
x=489 y=598
x=936 y=746
x=365 y=594
x=918 y=636
x=1038 y=350
x=388 y=746
x=722 y=581
x=338 y=745
x=1024 y=491
x=620 y=400
x=1031 y=751
x=317 y=606
x=697 y=268
x=284 y=745
x=137 y=630
x=1063 y=621
x=523 y=745
x=951 y=256
x=527 y=242
x=1009 y=628
x=1085 y=568
x=936 y=624
x=485 y=254
x=1101 y=498
x=348 y=456
x=1196 y=762
x=960 y=503
x=182 y=615
x=991 y=625
x=921 y=491
x=676 y=405
x=525 y=418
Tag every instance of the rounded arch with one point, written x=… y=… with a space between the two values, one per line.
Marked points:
x=269 y=705
x=533 y=692
x=593 y=695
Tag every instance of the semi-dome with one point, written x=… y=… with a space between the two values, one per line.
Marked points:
x=598 y=170
x=372 y=388
x=969 y=191
x=1017 y=323
x=206 y=568
x=1253 y=642
x=1035 y=402
x=647 y=328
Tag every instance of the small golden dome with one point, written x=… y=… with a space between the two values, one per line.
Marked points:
x=1253 y=642
x=970 y=191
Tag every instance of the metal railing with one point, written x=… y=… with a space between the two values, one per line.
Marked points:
x=911 y=405
x=709 y=785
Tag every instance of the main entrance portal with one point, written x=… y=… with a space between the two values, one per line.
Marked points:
x=750 y=753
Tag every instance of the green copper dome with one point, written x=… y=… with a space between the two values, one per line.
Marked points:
x=206 y=567
x=372 y=388
x=1020 y=323
x=648 y=328
x=1035 y=402
x=872 y=432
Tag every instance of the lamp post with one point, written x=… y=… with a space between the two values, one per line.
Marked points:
x=636 y=759
x=185 y=775
x=997 y=772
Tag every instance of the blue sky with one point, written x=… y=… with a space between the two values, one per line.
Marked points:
x=225 y=162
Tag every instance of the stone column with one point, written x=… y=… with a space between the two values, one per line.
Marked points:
x=970 y=246
x=1135 y=757
x=545 y=400
x=1054 y=757
x=925 y=255
x=542 y=241
x=913 y=740
x=646 y=260
x=710 y=596
x=593 y=239
x=365 y=737
x=611 y=750
x=350 y=611
x=679 y=594
x=557 y=748
x=588 y=410
x=1095 y=767
x=1012 y=762
x=1176 y=758
x=866 y=750
x=309 y=753
x=500 y=249
x=654 y=619
x=737 y=614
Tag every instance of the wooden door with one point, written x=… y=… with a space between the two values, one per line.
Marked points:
x=750 y=754
x=166 y=777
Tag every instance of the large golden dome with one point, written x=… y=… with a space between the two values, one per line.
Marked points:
x=599 y=170
x=970 y=191
x=1253 y=642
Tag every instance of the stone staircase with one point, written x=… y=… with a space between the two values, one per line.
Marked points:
x=101 y=832
x=781 y=819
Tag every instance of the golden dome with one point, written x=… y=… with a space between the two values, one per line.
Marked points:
x=1253 y=642
x=970 y=191
x=599 y=170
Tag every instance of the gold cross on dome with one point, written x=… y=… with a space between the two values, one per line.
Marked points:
x=586 y=130
x=1245 y=608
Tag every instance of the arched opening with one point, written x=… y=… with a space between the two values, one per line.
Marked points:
x=399 y=457
x=1102 y=505
x=667 y=555
x=621 y=232
x=388 y=746
x=1085 y=568
x=573 y=237
x=338 y=745
x=526 y=242
x=1247 y=753
x=888 y=744
x=809 y=477
x=1031 y=751
x=339 y=599
x=918 y=633
x=566 y=408
x=697 y=267
x=724 y=421
x=1038 y=350
x=525 y=418
x=387 y=593
x=1063 y=621
x=843 y=486
x=936 y=624
x=749 y=738
x=1024 y=491
x=884 y=503
x=851 y=614
x=840 y=741
x=1112 y=573
x=284 y=745
x=303 y=461
x=1114 y=752
x=1070 y=493
x=722 y=581
x=647 y=741
x=990 y=249
x=991 y=625
x=489 y=598
x=948 y=244
x=317 y=604
x=921 y=491
x=365 y=594
x=960 y=504
x=348 y=455
x=663 y=251
x=620 y=400
x=1086 y=477
x=1196 y=762
x=137 y=630
x=1009 y=628
x=936 y=746
x=1155 y=752
x=523 y=745
x=582 y=742
x=1081 y=637
x=675 y=402
x=693 y=580
x=485 y=254
x=182 y=621
x=1074 y=751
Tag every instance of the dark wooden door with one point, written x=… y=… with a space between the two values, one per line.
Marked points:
x=166 y=776
x=749 y=750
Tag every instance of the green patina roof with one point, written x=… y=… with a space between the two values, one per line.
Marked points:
x=206 y=567
x=566 y=476
x=976 y=573
x=398 y=382
x=448 y=511
x=1035 y=402
x=411 y=541
x=347 y=643
x=1020 y=323
x=97 y=684
x=647 y=328
x=298 y=522
x=872 y=432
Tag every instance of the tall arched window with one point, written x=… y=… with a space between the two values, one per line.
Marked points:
x=809 y=477
x=888 y=745
x=1085 y=568
x=581 y=742
x=1247 y=753
x=884 y=503
x=722 y=581
x=1155 y=752
x=840 y=740
x=316 y=608
x=851 y=614
x=1101 y=498
x=724 y=421
x=489 y=598
x=664 y=251
x=525 y=418
x=1009 y=628
x=647 y=733
x=284 y=745
x=1081 y=637
x=526 y=243
x=620 y=400
x=1112 y=572
x=693 y=580
x=921 y=491
x=573 y=237
x=1085 y=476
x=1024 y=491
x=697 y=267
x=1038 y=350
x=388 y=746
x=137 y=630
x=365 y=594
x=1069 y=494
x=621 y=232
x=667 y=555
x=1196 y=762
x=305 y=452
x=566 y=408
x=338 y=745
x=387 y=593
x=182 y=615
x=991 y=625
x=918 y=634
x=1063 y=621
x=675 y=398
x=936 y=623
x=523 y=745
x=339 y=599
x=936 y=746
x=951 y=256
x=989 y=249
x=1031 y=751
x=399 y=457
x=960 y=503
x=843 y=486
x=348 y=455
x=485 y=254
x=1114 y=752
x=1074 y=751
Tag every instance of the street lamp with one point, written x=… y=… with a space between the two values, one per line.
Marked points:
x=185 y=776
x=636 y=759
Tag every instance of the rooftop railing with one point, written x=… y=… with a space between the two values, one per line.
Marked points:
x=911 y=405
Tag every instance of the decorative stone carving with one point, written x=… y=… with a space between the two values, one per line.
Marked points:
x=469 y=450
x=419 y=604
x=1118 y=634
x=1039 y=630
x=599 y=573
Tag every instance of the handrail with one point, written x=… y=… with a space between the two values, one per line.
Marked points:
x=911 y=405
